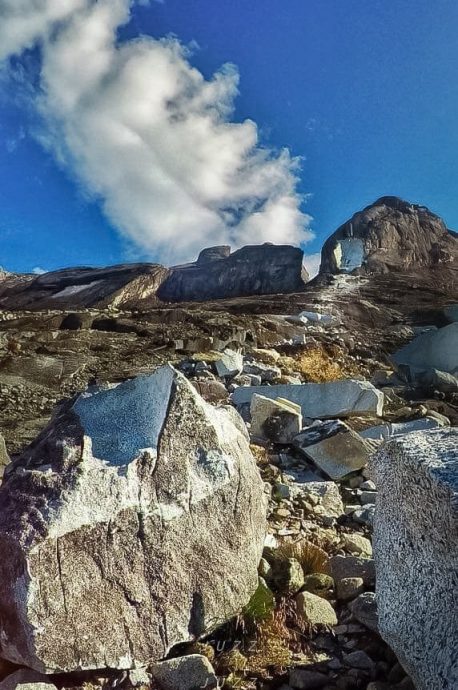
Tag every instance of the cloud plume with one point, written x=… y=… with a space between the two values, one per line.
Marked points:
x=149 y=136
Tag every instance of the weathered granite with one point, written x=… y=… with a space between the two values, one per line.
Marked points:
x=134 y=522
x=416 y=553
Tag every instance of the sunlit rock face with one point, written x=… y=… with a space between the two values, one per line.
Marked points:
x=134 y=522
x=263 y=269
x=391 y=234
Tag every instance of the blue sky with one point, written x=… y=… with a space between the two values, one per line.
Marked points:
x=365 y=91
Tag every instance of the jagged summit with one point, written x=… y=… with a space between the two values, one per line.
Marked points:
x=390 y=234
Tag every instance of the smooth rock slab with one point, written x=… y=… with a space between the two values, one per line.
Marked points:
x=321 y=400
x=383 y=432
x=134 y=522
x=335 y=448
x=432 y=350
x=416 y=554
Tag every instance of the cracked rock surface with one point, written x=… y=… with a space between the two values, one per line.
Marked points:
x=121 y=526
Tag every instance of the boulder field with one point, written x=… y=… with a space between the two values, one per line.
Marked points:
x=144 y=444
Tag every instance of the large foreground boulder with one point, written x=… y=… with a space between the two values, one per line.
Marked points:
x=416 y=554
x=134 y=522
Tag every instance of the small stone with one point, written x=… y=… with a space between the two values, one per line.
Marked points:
x=185 y=673
x=358 y=659
x=302 y=679
x=281 y=491
x=353 y=566
x=368 y=497
x=368 y=485
x=230 y=364
x=364 y=516
x=364 y=609
x=139 y=677
x=264 y=569
x=349 y=588
x=287 y=576
x=319 y=584
x=315 y=610
x=357 y=545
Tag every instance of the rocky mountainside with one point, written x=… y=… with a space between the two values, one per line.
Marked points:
x=390 y=234
x=217 y=274
x=153 y=452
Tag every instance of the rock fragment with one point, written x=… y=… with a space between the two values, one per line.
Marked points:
x=335 y=448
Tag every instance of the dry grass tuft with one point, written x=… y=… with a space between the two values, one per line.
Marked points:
x=312 y=558
x=260 y=455
x=271 y=644
x=318 y=364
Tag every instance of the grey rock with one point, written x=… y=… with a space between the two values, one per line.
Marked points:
x=303 y=679
x=315 y=610
x=383 y=432
x=416 y=553
x=352 y=566
x=432 y=350
x=334 y=447
x=266 y=372
x=358 y=659
x=327 y=495
x=349 y=588
x=192 y=672
x=230 y=364
x=131 y=488
x=26 y=679
x=364 y=515
x=356 y=544
x=364 y=609
x=275 y=420
x=429 y=379
x=368 y=497
x=321 y=400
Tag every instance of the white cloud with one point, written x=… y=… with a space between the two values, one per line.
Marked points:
x=38 y=271
x=148 y=135
x=312 y=263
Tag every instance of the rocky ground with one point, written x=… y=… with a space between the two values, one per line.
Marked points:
x=312 y=619
x=312 y=623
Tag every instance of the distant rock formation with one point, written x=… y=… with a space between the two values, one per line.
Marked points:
x=126 y=285
x=254 y=270
x=264 y=269
x=389 y=235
